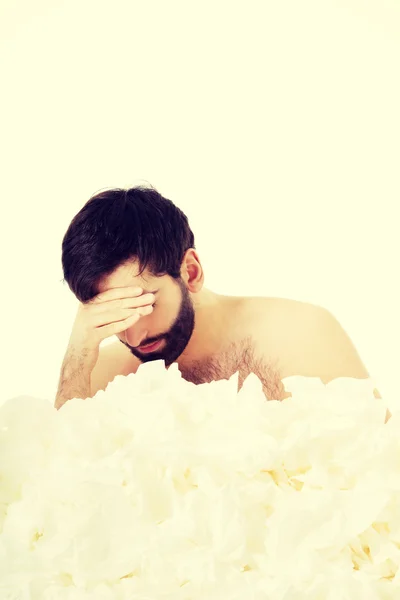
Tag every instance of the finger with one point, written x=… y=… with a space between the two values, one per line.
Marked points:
x=116 y=293
x=108 y=317
x=119 y=326
x=122 y=304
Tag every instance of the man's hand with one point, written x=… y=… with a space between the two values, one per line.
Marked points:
x=105 y=315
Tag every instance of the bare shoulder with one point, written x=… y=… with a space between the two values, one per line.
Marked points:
x=306 y=339
x=114 y=359
x=276 y=315
x=279 y=327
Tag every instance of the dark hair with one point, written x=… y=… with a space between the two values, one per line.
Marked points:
x=118 y=225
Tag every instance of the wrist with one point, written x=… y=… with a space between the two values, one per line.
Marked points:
x=82 y=361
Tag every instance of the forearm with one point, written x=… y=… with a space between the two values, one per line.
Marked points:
x=74 y=380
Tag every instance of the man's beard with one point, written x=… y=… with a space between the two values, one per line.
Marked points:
x=177 y=337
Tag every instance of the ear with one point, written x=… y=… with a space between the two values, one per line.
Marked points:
x=192 y=271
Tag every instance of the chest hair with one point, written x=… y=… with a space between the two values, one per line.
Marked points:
x=237 y=356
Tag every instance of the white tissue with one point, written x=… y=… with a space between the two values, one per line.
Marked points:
x=158 y=488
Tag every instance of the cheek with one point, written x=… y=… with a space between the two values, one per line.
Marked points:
x=163 y=315
x=156 y=320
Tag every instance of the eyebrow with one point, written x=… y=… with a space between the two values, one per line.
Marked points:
x=149 y=291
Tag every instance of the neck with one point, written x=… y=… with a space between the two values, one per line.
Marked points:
x=210 y=326
x=205 y=299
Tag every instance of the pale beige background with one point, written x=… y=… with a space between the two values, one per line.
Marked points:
x=275 y=125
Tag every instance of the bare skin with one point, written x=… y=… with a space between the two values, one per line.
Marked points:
x=271 y=337
x=227 y=341
x=221 y=345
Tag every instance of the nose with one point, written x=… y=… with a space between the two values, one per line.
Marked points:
x=135 y=336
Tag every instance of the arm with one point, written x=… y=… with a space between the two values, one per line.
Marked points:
x=80 y=380
x=114 y=359
x=107 y=314
x=74 y=379
x=331 y=353
x=309 y=342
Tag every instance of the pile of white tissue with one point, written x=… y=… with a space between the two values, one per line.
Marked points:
x=161 y=489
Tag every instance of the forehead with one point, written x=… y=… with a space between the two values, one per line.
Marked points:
x=127 y=275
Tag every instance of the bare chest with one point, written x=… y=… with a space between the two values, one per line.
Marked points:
x=236 y=357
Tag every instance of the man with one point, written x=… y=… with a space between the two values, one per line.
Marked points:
x=129 y=257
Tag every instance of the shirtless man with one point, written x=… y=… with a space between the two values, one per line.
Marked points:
x=130 y=259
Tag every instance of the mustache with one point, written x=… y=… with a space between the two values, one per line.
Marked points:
x=147 y=343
